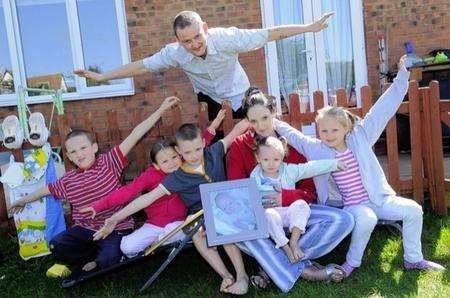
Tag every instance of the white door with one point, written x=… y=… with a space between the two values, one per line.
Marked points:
x=326 y=61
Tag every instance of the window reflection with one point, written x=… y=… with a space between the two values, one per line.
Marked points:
x=6 y=74
x=46 y=46
x=99 y=37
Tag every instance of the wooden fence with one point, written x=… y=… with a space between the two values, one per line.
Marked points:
x=423 y=106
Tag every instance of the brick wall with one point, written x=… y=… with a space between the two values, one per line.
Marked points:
x=426 y=23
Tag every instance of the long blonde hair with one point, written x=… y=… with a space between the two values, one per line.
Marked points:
x=344 y=117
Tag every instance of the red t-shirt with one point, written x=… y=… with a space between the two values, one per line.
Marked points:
x=82 y=188
x=241 y=161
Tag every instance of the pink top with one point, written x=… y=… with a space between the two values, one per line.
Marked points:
x=349 y=181
x=163 y=211
x=167 y=209
x=82 y=188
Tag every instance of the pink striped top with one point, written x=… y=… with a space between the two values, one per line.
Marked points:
x=82 y=188
x=349 y=181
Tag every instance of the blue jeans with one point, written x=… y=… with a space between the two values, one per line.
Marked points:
x=76 y=246
x=326 y=228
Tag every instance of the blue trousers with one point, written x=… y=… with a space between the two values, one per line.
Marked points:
x=75 y=246
x=326 y=228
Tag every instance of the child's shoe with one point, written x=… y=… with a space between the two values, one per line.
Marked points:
x=58 y=270
x=12 y=132
x=348 y=269
x=38 y=131
x=424 y=264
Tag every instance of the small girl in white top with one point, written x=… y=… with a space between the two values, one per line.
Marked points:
x=272 y=175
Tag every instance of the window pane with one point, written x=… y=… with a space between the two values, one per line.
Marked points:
x=6 y=75
x=99 y=37
x=339 y=49
x=291 y=52
x=46 y=44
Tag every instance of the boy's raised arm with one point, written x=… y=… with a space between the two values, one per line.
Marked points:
x=240 y=128
x=18 y=205
x=146 y=125
x=133 y=207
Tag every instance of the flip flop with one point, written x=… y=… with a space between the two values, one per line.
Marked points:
x=260 y=280
x=12 y=132
x=38 y=131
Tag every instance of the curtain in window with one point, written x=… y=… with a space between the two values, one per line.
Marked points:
x=291 y=52
x=339 y=48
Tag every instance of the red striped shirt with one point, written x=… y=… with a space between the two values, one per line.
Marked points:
x=83 y=188
x=349 y=181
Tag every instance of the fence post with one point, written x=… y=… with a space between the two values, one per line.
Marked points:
x=426 y=143
x=437 y=149
x=416 y=141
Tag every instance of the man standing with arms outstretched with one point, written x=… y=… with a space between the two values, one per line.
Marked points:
x=209 y=57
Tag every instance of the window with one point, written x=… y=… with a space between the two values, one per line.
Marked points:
x=45 y=40
x=327 y=61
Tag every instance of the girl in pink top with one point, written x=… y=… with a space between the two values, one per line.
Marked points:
x=166 y=213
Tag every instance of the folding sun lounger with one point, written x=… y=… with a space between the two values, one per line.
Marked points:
x=190 y=227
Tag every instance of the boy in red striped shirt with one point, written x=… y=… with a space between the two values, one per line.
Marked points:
x=93 y=179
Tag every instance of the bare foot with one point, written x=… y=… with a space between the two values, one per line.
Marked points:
x=288 y=251
x=226 y=282
x=296 y=251
x=240 y=287
x=89 y=266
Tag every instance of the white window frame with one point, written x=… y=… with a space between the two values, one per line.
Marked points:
x=316 y=56
x=83 y=92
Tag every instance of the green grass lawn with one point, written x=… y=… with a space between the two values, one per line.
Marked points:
x=380 y=275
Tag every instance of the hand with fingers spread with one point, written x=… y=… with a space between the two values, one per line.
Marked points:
x=108 y=228
x=89 y=211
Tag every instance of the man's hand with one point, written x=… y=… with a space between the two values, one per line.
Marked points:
x=97 y=77
x=321 y=23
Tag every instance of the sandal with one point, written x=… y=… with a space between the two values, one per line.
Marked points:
x=260 y=280
x=12 y=133
x=38 y=131
x=333 y=272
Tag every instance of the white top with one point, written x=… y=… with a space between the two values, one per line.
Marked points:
x=219 y=75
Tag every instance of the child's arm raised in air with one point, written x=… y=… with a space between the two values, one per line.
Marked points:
x=314 y=168
x=210 y=131
x=133 y=207
x=386 y=106
x=18 y=205
x=238 y=129
x=146 y=125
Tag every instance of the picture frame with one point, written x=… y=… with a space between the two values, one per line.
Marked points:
x=233 y=212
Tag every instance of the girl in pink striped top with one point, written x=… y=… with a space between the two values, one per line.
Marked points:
x=365 y=191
